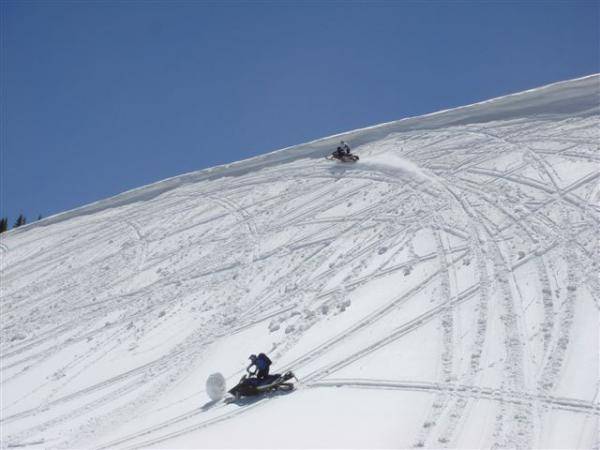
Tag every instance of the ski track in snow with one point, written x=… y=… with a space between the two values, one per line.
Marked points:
x=484 y=232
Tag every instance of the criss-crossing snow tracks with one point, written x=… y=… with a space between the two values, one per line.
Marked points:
x=494 y=223
x=514 y=334
x=516 y=339
x=442 y=401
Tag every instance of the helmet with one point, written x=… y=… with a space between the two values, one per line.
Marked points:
x=252 y=357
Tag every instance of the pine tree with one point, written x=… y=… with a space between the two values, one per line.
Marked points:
x=39 y=217
x=21 y=220
x=3 y=224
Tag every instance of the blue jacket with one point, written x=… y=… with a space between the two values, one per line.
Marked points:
x=262 y=362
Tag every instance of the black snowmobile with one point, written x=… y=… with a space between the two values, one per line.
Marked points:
x=250 y=386
x=345 y=157
x=343 y=153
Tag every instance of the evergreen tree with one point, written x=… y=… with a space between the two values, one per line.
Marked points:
x=21 y=220
x=3 y=224
x=39 y=217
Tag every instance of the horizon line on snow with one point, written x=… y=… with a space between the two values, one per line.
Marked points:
x=358 y=136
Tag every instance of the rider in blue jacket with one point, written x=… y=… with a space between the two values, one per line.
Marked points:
x=261 y=364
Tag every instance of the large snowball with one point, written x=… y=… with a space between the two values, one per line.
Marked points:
x=216 y=386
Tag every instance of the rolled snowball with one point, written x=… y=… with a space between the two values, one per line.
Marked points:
x=216 y=386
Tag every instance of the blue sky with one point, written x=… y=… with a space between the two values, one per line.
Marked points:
x=101 y=97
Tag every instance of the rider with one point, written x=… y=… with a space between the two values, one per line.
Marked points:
x=262 y=363
x=345 y=147
x=342 y=150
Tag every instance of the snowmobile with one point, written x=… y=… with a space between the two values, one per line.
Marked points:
x=250 y=386
x=343 y=157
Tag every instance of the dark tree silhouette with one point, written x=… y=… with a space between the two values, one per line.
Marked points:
x=21 y=220
x=3 y=224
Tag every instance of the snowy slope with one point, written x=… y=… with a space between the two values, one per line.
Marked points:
x=442 y=292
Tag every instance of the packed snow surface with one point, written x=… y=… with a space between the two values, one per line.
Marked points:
x=441 y=292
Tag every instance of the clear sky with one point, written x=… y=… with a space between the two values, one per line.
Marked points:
x=101 y=97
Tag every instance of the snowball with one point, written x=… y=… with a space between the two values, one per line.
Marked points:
x=216 y=386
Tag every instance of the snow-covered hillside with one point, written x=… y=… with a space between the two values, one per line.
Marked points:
x=442 y=292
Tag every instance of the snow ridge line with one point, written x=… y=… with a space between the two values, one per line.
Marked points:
x=541 y=100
